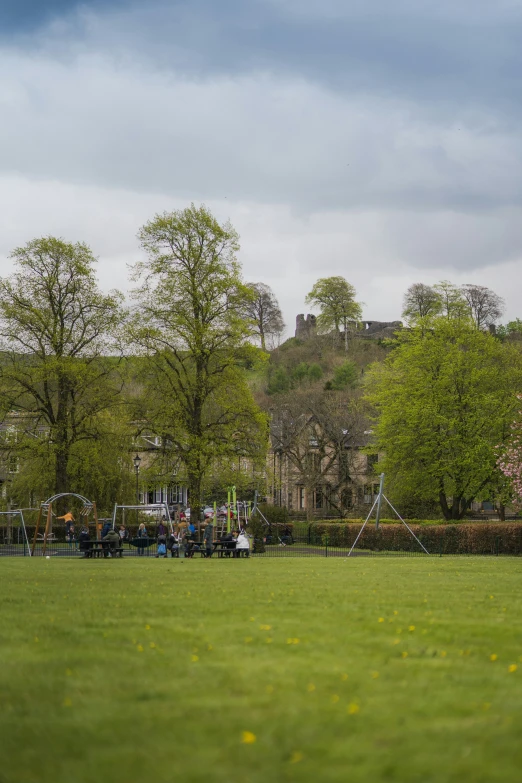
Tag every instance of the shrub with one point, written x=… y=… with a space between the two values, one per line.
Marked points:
x=274 y=514
x=467 y=538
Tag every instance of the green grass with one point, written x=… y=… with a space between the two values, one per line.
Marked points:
x=129 y=671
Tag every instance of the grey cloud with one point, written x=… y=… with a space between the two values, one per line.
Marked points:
x=263 y=139
x=452 y=53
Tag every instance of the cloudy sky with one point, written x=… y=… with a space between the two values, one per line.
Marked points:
x=371 y=139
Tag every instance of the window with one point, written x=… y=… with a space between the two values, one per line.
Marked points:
x=301 y=497
x=346 y=498
x=319 y=498
x=14 y=464
x=371 y=462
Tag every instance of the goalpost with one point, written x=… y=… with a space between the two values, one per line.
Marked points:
x=13 y=534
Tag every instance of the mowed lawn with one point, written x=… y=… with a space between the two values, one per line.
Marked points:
x=396 y=669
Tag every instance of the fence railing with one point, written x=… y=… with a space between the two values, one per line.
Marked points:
x=307 y=541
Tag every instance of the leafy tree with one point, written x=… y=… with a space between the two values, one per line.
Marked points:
x=265 y=313
x=191 y=325
x=345 y=376
x=444 y=397
x=56 y=333
x=335 y=297
x=421 y=301
x=513 y=329
x=485 y=305
x=453 y=304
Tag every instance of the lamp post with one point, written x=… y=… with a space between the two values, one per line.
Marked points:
x=137 y=460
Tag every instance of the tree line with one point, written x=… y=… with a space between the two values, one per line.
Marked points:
x=82 y=374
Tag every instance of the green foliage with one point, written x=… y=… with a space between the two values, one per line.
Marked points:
x=445 y=397
x=281 y=380
x=464 y=539
x=274 y=514
x=345 y=376
x=56 y=331
x=193 y=328
x=335 y=297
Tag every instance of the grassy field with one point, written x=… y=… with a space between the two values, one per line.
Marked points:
x=261 y=670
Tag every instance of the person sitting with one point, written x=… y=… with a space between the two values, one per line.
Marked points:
x=107 y=525
x=83 y=540
x=123 y=534
x=173 y=544
x=162 y=546
x=113 y=541
x=229 y=544
x=242 y=545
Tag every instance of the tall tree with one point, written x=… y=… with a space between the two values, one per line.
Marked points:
x=444 y=397
x=485 y=305
x=420 y=301
x=57 y=331
x=192 y=326
x=265 y=313
x=335 y=297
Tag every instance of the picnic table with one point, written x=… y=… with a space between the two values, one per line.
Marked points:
x=98 y=548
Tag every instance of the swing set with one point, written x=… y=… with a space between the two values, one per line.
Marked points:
x=46 y=511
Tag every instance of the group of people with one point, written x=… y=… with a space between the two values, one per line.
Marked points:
x=181 y=538
x=184 y=538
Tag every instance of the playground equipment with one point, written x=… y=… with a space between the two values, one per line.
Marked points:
x=46 y=509
x=377 y=503
x=155 y=510
x=13 y=533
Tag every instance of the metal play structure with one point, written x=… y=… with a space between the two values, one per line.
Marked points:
x=13 y=533
x=158 y=509
x=377 y=504
x=46 y=510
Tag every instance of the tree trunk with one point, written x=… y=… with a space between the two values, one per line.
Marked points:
x=502 y=512
x=263 y=341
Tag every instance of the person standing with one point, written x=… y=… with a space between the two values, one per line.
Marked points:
x=142 y=539
x=208 y=538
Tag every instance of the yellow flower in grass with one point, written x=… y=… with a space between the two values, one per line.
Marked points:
x=375 y=675
x=67 y=702
x=404 y=654
x=265 y=627
x=247 y=738
x=147 y=627
x=310 y=688
x=493 y=657
x=334 y=699
x=443 y=653
x=296 y=757
x=512 y=668
x=248 y=639
x=381 y=619
x=194 y=659
x=344 y=677
x=353 y=709
x=411 y=628
x=139 y=648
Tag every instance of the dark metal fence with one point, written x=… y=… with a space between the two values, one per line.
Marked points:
x=302 y=541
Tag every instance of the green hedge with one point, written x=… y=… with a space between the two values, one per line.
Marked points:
x=469 y=538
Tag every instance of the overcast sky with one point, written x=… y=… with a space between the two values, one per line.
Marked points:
x=371 y=139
